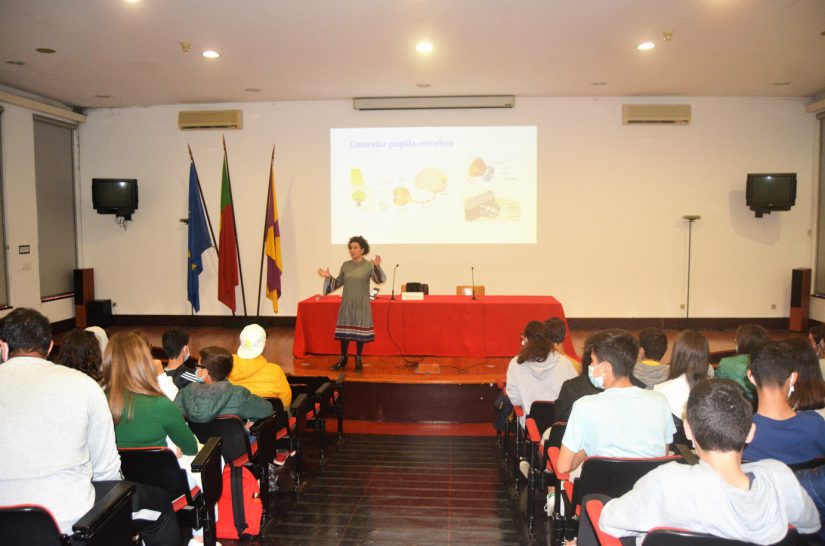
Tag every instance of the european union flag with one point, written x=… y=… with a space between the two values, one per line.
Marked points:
x=199 y=239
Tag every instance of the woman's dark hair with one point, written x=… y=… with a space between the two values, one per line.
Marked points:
x=361 y=242
x=80 y=350
x=809 y=389
x=749 y=337
x=537 y=343
x=690 y=357
x=556 y=329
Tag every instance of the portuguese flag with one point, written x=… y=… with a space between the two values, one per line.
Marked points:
x=228 y=239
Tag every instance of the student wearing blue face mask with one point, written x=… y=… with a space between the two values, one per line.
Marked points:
x=622 y=421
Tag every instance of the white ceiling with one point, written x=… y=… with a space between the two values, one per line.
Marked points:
x=337 y=49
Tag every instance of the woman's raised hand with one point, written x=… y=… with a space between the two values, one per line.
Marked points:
x=377 y=261
x=324 y=272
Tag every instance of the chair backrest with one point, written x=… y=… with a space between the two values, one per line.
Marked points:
x=467 y=290
x=614 y=476
x=231 y=431
x=208 y=463
x=156 y=466
x=542 y=413
x=679 y=436
x=556 y=434
x=678 y=537
x=813 y=463
x=594 y=511
x=23 y=525
x=265 y=431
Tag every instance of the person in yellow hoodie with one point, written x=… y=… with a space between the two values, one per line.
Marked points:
x=251 y=370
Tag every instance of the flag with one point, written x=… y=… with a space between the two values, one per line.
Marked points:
x=228 y=258
x=272 y=243
x=199 y=239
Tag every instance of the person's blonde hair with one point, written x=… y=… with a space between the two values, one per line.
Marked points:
x=127 y=369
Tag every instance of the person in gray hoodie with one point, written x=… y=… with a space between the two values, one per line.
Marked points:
x=650 y=369
x=752 y=502
x=538 y=371
x=203 y=402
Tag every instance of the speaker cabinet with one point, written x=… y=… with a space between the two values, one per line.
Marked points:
x=84 y=292
x=800 y=299
x=100 y=313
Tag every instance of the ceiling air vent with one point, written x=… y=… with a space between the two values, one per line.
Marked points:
x=210 y=119
x=657 y=114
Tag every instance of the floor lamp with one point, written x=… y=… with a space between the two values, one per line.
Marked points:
x=690 y=219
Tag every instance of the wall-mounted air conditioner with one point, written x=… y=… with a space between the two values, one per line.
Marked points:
x=210 y=119
x=661 y=114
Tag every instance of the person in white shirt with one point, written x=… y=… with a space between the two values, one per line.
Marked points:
x=688 y=366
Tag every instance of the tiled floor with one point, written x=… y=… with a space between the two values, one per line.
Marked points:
x=398 y=490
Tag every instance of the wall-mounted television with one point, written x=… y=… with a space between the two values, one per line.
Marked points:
x=767 y=192
x=118 y=196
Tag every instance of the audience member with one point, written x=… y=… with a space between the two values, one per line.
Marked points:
x=781 y=433
x=203 y=402
x=816 y=335
x=176 y=346
x=812 y=481
x=538 y=371
x=748 y=338
x=652 y=348
x=100 y=335
x=251 y=369
x=754 y=502
x=41 y=401
x=688 y=366
x=809 y=389
x=80 y=350
x=622 y=421
x=557 y=332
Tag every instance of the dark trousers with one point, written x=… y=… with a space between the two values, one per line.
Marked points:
x=151 y=513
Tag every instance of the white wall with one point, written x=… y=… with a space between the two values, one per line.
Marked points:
x=20 y=214
x=611 y=240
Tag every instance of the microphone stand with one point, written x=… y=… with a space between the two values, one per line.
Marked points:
x=473 y=281
x=392 y=297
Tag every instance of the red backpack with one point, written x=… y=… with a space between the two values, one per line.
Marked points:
x=239 y=508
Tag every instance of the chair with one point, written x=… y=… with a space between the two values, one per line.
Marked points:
x=539 y=420
x=324 y=402
x=416 y=287
x=108 y=523
x=467 y=290
x=289 y=429
x=679 y=436
x=208 y=464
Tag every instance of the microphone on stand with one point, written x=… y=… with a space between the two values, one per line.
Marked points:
x=473 y=281
x=392 y=297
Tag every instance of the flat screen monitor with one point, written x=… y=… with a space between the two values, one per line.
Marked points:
x=767 y=192
x=117 y=196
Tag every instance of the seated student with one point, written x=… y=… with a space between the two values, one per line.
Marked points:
x=809 y=389
x=251 y=369
x=812 y=481
x=652 y=347
x=80 y=350
x=176 y=346
x=203 y=402
x=538 y=371
x=557 y=330
x=753 y=502
x=58 y=441
x=816 y=336
x=781 y=433
x=622 y=421
x=748 y=338
x=688 y=366
x=580 y=386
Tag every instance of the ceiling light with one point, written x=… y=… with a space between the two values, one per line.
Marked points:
x=211 y=54
x=103 y=96
x=667 y=35
x=45 y=50
x=132 y=1
x=185 y=46
x=597 y=84
x=252 y=90
x=781 y=83
x=16 y=63
x=424 y=47
x=422 y=85
x=644 y=46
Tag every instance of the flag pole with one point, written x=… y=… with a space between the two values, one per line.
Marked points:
x=203 y=202
x=263 y=243
x=235 y=224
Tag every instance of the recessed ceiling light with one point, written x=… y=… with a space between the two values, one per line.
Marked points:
x=45 y=50
x=597 y=84
x=16 y=63
x=422 y=85
x=644 y=46
x=211 y=54
x=132 y=1
x=252 y=90
x=424 y=47
x=781 y=83
x=103 y=96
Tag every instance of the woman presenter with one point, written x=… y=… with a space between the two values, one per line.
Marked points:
x=355 y=314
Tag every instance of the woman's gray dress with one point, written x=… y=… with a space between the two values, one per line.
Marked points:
x=355 y=314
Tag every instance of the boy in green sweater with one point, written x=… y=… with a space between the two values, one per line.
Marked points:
x=203 y=402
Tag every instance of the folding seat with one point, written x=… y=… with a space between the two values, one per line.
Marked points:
x=325 y=400
x=108 y=523
x=539 y=420
x=288 y=429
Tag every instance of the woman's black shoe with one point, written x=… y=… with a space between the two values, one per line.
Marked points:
x=358 y=365
x=341 y=364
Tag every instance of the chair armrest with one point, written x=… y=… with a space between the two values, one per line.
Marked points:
x=519 y=411
x=299 y=408
x=532 y=430
x=552 y=458
x=211 y=449
x=105 y=510
x=594 y=512
x=339 y=381
x=690 y=457
x=208 y=463
x=324 y=392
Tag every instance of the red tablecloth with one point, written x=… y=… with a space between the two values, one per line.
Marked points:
x=437 y=326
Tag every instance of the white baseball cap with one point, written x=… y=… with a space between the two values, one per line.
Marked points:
x=253 y=340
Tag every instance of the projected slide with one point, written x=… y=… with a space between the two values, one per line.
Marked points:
x=434 y=185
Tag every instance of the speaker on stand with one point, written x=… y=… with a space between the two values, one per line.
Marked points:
x=800 y=299
x=84 y=292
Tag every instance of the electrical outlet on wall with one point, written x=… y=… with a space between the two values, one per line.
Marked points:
x=681 y=306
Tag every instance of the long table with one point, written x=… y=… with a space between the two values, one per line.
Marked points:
x=489 y=326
